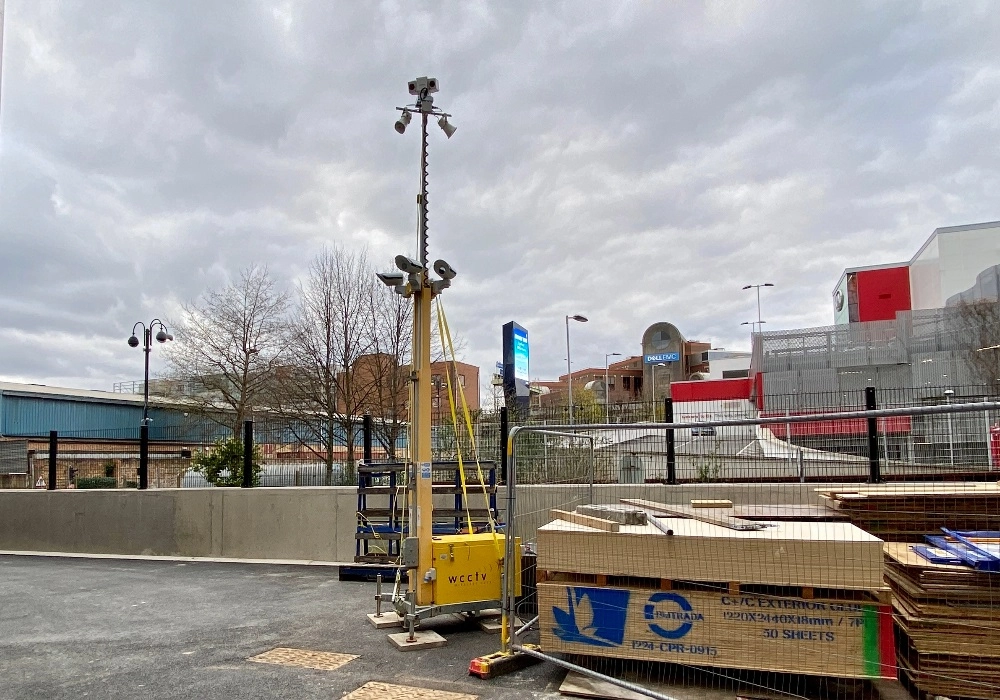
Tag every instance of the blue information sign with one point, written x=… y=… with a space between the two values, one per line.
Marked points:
x=661 y=357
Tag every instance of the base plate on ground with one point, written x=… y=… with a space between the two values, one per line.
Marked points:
x=387 y=619
x=425 y=639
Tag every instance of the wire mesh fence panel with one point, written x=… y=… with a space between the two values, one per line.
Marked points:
x=770 y=569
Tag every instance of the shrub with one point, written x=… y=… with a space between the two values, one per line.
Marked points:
x=109 y=468
x=223 y=465
x=96 y=482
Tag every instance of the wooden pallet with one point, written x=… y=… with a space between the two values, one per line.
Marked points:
x=947 y=622
x=954 y=676
x=881 y=595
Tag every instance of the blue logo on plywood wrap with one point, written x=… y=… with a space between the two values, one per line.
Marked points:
x=670 y=615
x=593 y=616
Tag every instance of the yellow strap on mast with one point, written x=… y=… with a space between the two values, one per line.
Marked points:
x=454 y=418
x=445 y=333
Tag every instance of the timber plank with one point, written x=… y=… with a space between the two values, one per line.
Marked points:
x=776 y=513
x=586 y=520
x=715 y=516
x=948 y=622
x=908 y=512
x=711 y=503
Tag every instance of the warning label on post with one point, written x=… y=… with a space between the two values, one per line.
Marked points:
x=425 y=470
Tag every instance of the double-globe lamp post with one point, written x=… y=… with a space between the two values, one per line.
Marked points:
x=161 y=336
x=569 y=366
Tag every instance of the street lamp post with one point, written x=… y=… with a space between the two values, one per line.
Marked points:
x=161 y=336
x=607 y=388
x=757 y=287
x=438 y=382
x=414 y=281
x=569 y=365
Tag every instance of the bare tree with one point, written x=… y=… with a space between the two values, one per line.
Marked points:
x=978 y=324
x=387 y=369
x=327 y=388
x=392 y=338
x=230 y=343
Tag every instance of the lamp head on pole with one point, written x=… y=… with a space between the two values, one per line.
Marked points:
x=448 y=128
x=402 y=122
x=577 y=317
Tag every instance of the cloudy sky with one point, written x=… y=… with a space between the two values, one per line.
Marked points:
x=631 y=162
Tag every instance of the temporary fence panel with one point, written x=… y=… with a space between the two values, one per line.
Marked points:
x=765 y=570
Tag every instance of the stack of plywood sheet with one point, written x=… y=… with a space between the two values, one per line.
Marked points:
x=800 y=597
x=906 y=512
x=948 y=624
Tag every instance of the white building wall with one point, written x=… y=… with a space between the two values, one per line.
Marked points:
x=949 y=263
x=964 y=254
x=717 y=367
x=925 y=277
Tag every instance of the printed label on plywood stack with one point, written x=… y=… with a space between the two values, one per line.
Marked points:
x=797 y=635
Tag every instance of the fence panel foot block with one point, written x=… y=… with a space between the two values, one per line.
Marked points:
x=427 y=639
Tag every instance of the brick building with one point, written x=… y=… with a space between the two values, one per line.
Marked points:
x=387 y=386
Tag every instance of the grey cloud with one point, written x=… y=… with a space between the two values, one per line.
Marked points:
x=634 y=162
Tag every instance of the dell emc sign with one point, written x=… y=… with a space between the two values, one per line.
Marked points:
x=662 y=357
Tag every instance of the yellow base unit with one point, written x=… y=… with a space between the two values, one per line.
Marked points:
x=469 y=567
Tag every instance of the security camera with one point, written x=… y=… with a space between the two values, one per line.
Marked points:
x=408 y=265
x=391 y=279
x=418 y=85
x=444 y=270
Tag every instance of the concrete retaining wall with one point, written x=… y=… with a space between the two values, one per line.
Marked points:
x=306 y=523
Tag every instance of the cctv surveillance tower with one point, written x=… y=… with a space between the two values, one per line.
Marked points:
x=414 y=281
x=437 y=566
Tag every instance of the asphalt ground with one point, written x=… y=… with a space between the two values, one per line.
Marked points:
x=99 y=628
x=120 y=628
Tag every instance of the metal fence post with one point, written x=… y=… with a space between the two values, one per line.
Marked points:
x=668 y=417
x=53 y=454
x=504 y=434
x=874 y=471
x=247 y=454
x=143 y=473
x=366 y=438
x=986 y=419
